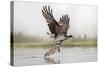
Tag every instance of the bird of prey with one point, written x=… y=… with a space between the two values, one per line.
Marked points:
x=58 y=29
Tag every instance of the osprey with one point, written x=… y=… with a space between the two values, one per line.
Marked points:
x=58 y=29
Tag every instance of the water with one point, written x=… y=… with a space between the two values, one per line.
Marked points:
x=35 y=56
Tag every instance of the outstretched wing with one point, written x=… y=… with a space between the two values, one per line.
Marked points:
x=48 y=15
x=64 y=23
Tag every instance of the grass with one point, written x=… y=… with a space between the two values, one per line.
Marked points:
x=69 y=43
x=80 y=43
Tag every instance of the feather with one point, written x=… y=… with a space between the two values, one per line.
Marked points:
x=57 y=28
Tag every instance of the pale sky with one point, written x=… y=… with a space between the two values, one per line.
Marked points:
x=29 y=20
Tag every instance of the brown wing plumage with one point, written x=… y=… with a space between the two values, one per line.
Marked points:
x=48 y=15
x=59 y=28
x=64 y=23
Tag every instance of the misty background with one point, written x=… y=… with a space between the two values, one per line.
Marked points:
x=28 y=19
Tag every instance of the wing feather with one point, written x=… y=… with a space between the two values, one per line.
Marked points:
x=48 y=15
x=64 y=23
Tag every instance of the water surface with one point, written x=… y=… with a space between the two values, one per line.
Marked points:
x=35 y=56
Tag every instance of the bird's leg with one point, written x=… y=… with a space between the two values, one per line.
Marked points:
x=54 y=48
x=58 y=44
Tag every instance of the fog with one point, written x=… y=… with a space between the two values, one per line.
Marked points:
x=28 y=18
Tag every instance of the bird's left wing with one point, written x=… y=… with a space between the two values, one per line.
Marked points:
x=48 y=15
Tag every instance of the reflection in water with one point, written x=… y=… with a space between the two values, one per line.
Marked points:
x=52 y=60
x=34 y=56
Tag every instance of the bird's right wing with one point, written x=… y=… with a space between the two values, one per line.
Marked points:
x=64 y=23
x=48 y=15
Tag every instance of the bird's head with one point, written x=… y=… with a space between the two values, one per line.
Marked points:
x=71 y=36
x=67 y=37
